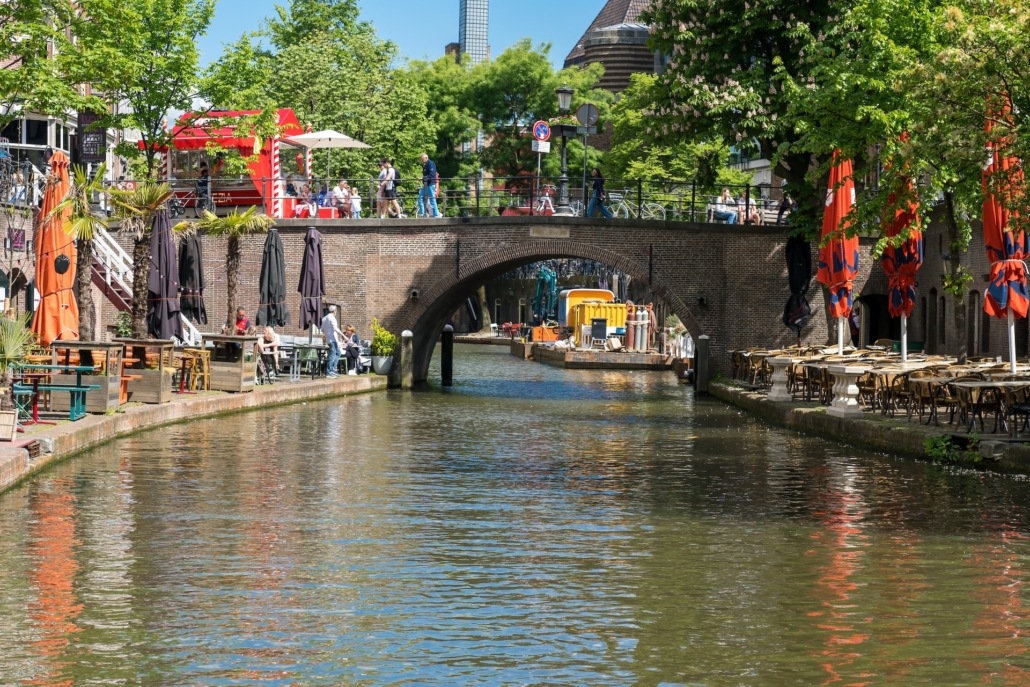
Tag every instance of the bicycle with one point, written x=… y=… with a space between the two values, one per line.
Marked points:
x=545 y=199
x=200 y=201
x=620 y=206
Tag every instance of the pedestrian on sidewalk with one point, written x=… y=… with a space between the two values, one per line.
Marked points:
x=598 y=196
x=430 y=187
x=333 y=339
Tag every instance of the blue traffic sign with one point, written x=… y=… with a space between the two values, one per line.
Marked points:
x=541 y=131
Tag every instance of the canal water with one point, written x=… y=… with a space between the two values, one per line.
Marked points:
x=532 y=526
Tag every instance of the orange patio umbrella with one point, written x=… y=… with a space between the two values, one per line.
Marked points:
x=838 y=256
x=1007 y=296
x=57 y=316
x=902 y=262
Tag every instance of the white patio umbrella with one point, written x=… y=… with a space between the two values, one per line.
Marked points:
x=326 y=139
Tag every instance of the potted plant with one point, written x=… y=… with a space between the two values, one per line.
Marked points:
x=15 y=338
x=384 y=345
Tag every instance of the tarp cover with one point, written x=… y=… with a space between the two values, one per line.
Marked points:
x=191 y=279
x=57 y=316
x=799 y=275
x=272 y=310
x=312 y=280
x=163 y=319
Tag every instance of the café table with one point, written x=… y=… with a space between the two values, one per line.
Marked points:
x=977 y=390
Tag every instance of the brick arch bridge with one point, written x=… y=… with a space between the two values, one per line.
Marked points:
x=728 y=282
x=437 y=304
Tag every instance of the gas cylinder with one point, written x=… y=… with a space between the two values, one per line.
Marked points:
x=643 y=338
x=630 y=326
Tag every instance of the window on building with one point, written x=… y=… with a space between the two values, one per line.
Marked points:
x=36 y=132
x=12 y=132
x=973 y=324
x=497 y=310
x=522 y=311
x=931 y=322
x=985 y=333
x=922 y=322
x=942 y=336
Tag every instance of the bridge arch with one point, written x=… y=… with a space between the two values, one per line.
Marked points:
x=437 y=303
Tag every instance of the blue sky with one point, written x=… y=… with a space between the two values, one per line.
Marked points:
x=423 y=28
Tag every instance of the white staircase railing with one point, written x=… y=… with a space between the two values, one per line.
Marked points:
x=118 y=264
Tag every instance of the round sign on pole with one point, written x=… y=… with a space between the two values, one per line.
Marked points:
x=541 y=131
x=587 y=114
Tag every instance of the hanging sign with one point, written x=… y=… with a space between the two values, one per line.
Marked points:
x=541 y=131
x=92 y=140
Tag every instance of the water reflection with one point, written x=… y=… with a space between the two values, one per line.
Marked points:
x=530 y=526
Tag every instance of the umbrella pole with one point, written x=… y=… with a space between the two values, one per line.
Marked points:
x=1012 y=340
x=904 y=338
x=840 y=335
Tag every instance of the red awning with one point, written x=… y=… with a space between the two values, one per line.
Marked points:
x=191 y=134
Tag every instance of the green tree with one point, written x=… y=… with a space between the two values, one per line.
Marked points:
x=151 y=48
x=510 y=93
x=723 y=82
x=42 y=65
x=637 y=153
x=448 y=88
x=334 y=73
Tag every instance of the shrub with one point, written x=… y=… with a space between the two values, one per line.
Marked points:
x=942 y=450
x=383 y=342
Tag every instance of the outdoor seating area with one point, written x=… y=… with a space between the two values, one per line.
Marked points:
x=982 y=396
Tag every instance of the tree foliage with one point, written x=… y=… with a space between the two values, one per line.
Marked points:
x=335 y=73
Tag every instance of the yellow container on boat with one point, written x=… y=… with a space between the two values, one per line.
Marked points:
x=570 y=298
x=584 y=313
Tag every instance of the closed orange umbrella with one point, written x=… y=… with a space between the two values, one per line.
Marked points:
x=57 y=316
x=838 y=256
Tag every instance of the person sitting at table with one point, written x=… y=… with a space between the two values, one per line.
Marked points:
x=352 y=345
x=267 y=350
x=342 y=199
x=306 y=205
x=242 y=323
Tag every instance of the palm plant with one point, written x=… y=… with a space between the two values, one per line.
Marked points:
x=136 y=210
x=234 y=227
x=15 y=339
x=82 y=226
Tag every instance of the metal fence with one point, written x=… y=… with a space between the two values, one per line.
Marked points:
x=663 y=200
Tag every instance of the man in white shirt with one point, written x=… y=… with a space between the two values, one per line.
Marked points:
x=333 y=337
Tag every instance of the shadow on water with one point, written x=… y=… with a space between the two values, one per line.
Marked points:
x=529 y=526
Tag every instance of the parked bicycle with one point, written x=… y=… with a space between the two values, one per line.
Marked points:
x=200 y=200
x=622 y=207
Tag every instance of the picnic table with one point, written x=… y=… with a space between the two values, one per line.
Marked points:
x=77 y=393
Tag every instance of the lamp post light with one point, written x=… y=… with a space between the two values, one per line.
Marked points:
x=564 y=107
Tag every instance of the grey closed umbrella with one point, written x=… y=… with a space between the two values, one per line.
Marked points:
x=163 y=318
x=312 y=280
x=272 y=309
x=799 y=274
x=191 y=279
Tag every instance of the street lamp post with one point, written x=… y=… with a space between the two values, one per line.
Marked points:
x=564 y=107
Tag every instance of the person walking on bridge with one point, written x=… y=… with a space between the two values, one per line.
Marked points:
x=598 y=196
x=430 y=187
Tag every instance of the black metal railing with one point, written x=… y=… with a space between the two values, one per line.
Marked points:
x=658 y=200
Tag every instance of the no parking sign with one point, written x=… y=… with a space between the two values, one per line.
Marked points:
x=541 y=131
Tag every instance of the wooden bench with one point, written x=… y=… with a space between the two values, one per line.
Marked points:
x=77 y=398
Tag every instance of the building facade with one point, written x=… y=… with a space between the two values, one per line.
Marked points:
x=474 y=29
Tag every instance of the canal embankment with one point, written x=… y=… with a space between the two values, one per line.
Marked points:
x=40 y=448
x=872 y=430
